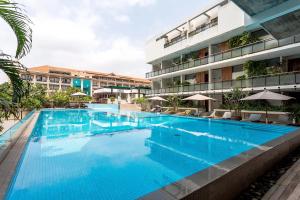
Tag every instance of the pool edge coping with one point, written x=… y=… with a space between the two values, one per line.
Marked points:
x=204 y=184
x=14 y=152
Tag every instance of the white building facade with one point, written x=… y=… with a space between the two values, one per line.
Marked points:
x=209 y=53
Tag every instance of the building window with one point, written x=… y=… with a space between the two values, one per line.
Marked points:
x=41 y=78
x=66 y=80
x=238 y=68
x=54 y=80
x=53 y=87
x=26 y=77
x=64 y=87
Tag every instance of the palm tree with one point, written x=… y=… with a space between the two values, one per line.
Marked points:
x=14 y=16
x=18 y=21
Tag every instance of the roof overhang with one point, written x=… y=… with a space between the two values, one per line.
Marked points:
x=254 y=7
x=284 y=26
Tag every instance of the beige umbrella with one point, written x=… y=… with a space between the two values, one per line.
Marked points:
x=267 y=95
x=78 y=94
x=198 y=97
x=157 y=99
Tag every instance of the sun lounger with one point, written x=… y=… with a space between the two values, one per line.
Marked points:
x=210 y=115
x=227 y=115
x=253 y=118
x=186 y=112
x=282 y=119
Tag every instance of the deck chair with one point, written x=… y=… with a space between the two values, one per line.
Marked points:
x=282 y=119
x=210 y=115
x=253 y=118
x=184 y=113
x=227 y=115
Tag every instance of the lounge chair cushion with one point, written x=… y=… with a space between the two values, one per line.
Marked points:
x=227 y=115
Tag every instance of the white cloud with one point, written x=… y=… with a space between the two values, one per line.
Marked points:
x=85 y=39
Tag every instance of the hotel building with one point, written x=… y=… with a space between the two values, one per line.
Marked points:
x=208 y=53
x=57 y=78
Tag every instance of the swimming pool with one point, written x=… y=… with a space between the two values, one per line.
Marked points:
x=85 y=154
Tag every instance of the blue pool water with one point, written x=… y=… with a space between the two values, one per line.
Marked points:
x=83 y=154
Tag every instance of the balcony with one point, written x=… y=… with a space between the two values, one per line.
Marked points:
x=254 y=48
x=186 y=65
x=229 y=54
x=175 y=40
x=203 y=28
x=190 y=34
x=277 y=80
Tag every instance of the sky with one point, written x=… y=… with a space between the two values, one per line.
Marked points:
x=100 y=35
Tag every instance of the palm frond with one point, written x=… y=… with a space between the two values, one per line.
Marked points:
x=19 y=23
x=12 y=68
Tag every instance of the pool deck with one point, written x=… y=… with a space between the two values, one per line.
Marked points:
x=287 y=187
x=9 y=162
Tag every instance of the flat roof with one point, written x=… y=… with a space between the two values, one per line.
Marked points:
x=48 y=68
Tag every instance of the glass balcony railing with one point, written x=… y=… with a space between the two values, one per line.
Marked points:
x=254 y=48
x=291 y=78
x=175 y=40
x=203 y=28
x=232 y=53
x=186 y=65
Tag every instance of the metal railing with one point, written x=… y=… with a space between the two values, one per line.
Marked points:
x=175 y=40
x=283 y=79
x=190 y=34
x=186 y=65
x=254 y=48
x=203 y=28
x=232 y=53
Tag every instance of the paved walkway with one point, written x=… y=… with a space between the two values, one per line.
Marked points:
x=287 y=187
x=7 y=124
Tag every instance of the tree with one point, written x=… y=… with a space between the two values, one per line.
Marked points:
x=14 y=16
x=20 y=23
x=143 y=102
x=233 y=100
x=174 y=102
x=36 y=99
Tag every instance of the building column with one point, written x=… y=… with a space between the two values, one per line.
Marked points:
x=34 y=79
x=48 y=83
x=91 y=88
x=60 y=83
x=210 y=80
x=188 y=29
x=81 y=85
x=209 y=53
x=161 y=84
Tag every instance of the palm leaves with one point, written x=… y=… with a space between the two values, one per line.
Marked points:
x=11 y=68
x=19 y=23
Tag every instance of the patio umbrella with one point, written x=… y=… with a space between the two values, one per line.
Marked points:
x=78 y=94
x=157 y=99
x=198 y=97
x=267 y=95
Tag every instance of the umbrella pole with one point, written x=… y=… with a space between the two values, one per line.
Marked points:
x=198 y=108
x=266 y=114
